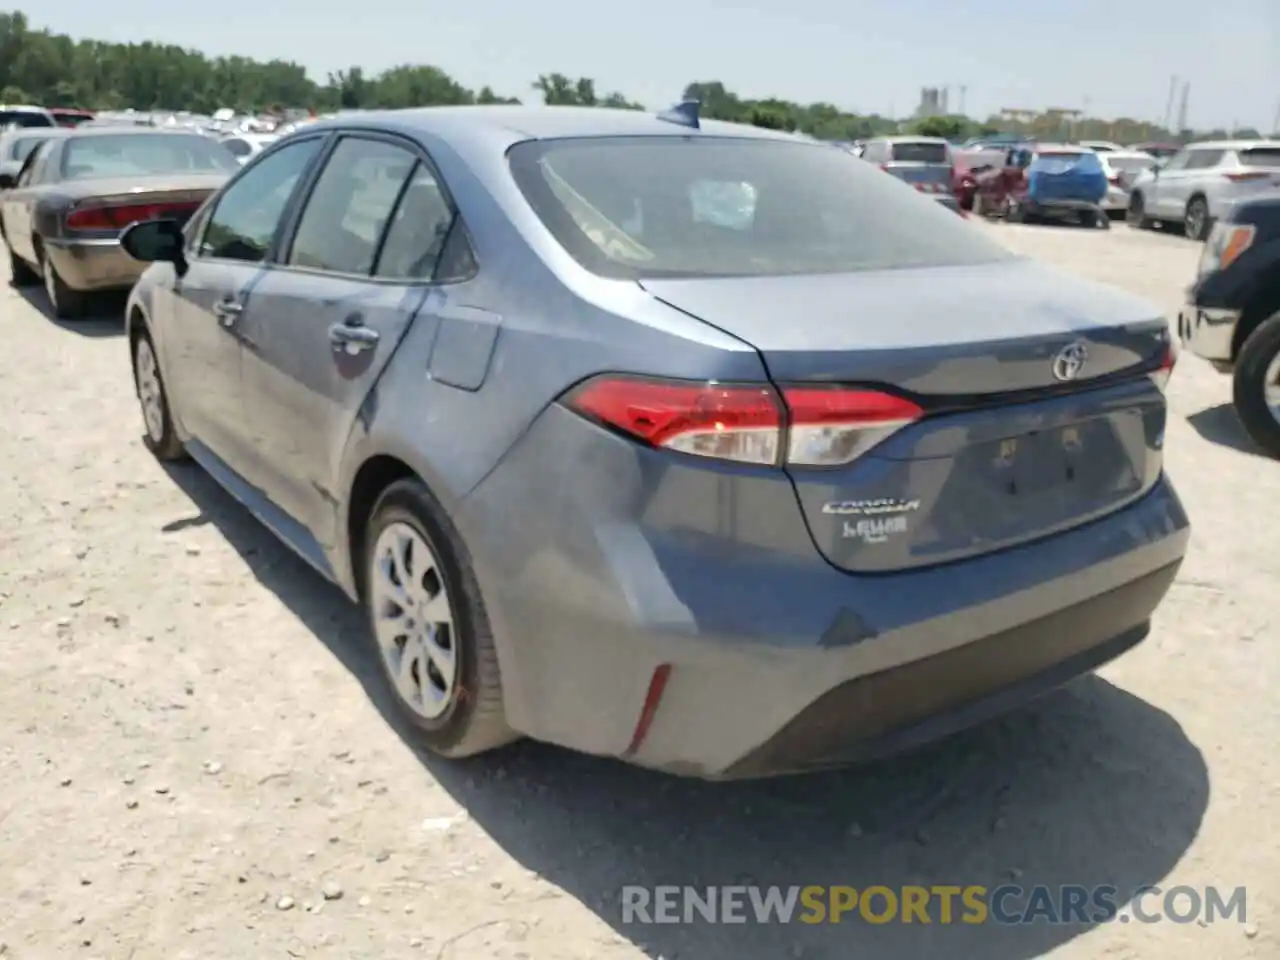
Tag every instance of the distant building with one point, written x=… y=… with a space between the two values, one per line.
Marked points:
x=932 y=102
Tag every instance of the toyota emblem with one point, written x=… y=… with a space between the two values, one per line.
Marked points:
x=1070 y=361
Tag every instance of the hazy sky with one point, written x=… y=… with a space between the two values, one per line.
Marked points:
x=1113 y=57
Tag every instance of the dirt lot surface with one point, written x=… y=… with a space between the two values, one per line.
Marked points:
x=195 y=761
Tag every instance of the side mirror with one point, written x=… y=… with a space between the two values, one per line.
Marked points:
x=155 y=241
x=7 y=181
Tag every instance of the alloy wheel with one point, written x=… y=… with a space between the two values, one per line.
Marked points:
x=150 y=394
x=1271 y=388
x=413 y=620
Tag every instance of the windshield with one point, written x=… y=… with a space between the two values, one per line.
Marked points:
x=1261 y=157
x=126 y=154
x=716 y=206
x=21 y=147
x=921 y=152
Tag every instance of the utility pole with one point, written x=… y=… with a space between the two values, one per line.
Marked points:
x=1182 y=107
x=1275 y=124
x=964 y=89
x=1168 y=106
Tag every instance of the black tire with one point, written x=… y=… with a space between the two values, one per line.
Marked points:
x=1013 y=211
x=1249 y=387
x=20 y=273
x=66 y=303
x=474 y=721
x=162 y=442
x=1136 y=215
x=1196 y=223
x=1101 y=220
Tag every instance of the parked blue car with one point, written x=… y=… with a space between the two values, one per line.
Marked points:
x=1062 y=183
x=683 y=442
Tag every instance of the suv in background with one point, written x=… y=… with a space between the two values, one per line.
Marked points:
x=924 y=162
x=17 y=115
x=1194 y=187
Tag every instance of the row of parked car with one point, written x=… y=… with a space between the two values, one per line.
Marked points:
x=613 y=434
x=1091 y=181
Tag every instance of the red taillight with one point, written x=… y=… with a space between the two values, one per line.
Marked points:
x=1244 y=176
x=884 y=167
x=119 y=216
x=833 y=425
x=1160 y=376
x=805 y=426
x=1114 y=179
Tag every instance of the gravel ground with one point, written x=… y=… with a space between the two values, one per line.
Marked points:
x=196 y=762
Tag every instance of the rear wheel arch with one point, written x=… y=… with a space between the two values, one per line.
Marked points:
x=374 y=476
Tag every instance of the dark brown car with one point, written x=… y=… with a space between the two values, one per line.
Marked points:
x=63 y=212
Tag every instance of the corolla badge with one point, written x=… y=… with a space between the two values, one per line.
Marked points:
x=1070 y=361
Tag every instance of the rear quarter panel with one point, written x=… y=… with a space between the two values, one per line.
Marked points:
x=556 y=325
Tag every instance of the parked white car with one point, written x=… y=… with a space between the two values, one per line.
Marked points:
x=1201 y=180
x=1123 y=168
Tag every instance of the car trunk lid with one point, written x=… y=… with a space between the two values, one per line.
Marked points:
x=104 y=207
x=1006 y=449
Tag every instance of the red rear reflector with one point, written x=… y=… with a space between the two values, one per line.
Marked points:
x=119 y=216
x=649 y=710
x=1114 y=179
x=1247 y=175
x=817 y=426
x=834 y=425
x=1160 y=376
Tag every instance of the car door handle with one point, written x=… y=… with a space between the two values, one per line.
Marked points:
x=228 y=312
x=352 y=336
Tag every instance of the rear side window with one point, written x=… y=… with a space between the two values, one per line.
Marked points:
x=418 y=230
x=350 y=206
x=1261 y=157
x=909 y=151
x=719 y=206
x=22 y=146
x=1204 y=159
x=1081 y=161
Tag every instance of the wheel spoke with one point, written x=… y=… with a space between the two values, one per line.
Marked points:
x=410 y=656
x=442 y=657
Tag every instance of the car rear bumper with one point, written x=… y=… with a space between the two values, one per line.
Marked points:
x=1116 y=200
x=1058 y=207
x=1208 y=333
x=97 y=265
x=616 y=602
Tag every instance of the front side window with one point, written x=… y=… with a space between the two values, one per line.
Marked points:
x=143 y=154
x=640 y=207
x=238 y=147
x=1178 y=161
x=350 y=206
x=245 y=217
x=921 y=151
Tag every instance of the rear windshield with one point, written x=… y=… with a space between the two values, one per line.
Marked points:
x=718 y=206
x=124 y=155
x=1261 y=157
x=908 y=151
x=1059 y=159
x=20 y=147
x=1130 y=164
x=24 y=118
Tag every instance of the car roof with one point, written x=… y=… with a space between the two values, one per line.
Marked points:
x=1059 y=148
x=909 y=139
x=126 y=130
x=1232 y=144
x=515 y=123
